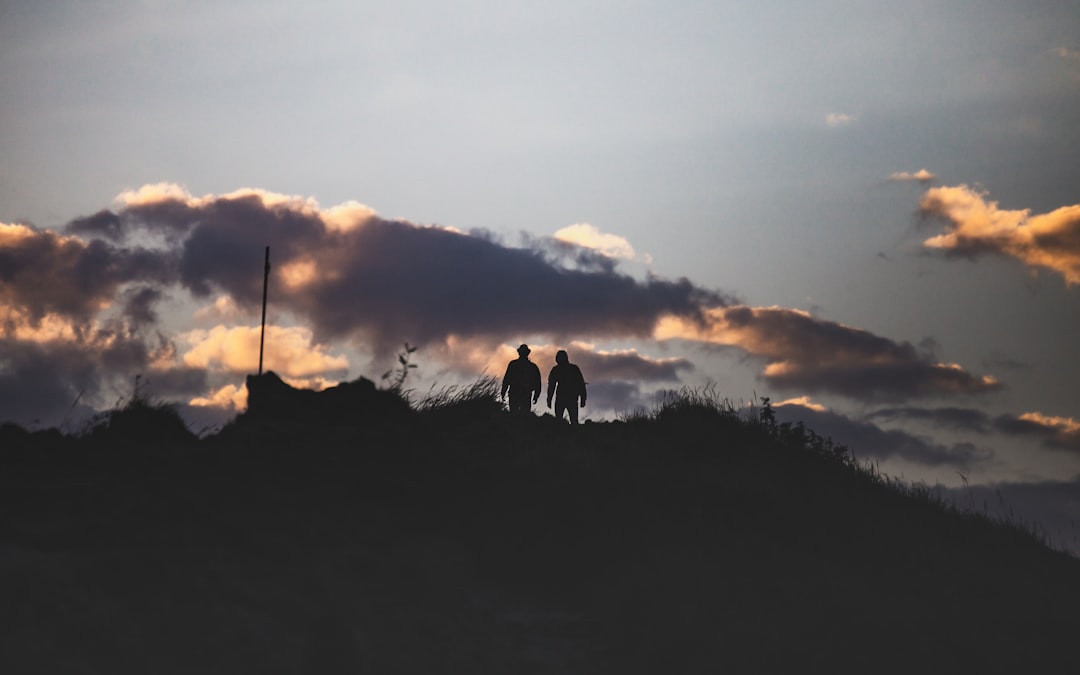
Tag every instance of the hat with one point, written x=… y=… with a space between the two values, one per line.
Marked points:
x=523 y=350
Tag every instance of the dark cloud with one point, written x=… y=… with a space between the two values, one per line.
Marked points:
x=43 y=272
x=139 y=304
x=808 y=354
x=563 y=253
x=388 y=280
x=41 y=386
x=867 y=440
x=966 y=419
x=426 y=283
x=618 y=395
x=104 y=223
x=1001 y=361
x=628 y=365
x=47 y=382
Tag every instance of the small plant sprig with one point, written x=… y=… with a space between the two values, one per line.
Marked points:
x=401 y=372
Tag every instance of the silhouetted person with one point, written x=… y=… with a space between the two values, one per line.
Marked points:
x=567 y=385
x=522 y=378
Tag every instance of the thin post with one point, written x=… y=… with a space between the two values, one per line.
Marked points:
x=262 y=333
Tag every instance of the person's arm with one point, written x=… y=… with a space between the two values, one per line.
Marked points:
x=538 y=384
x=583 y=393
x=552 y=382
x=506 y=380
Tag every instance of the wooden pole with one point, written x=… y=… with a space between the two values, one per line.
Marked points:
x=262 y=334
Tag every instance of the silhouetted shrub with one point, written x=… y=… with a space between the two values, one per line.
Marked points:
x=140 y=420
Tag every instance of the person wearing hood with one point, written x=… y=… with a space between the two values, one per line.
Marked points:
x=567 y=385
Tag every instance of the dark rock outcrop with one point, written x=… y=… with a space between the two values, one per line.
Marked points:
x=270 y=398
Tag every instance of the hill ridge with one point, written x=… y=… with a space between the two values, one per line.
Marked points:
x=457 y=536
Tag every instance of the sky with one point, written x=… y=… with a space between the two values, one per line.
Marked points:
x=868 y=212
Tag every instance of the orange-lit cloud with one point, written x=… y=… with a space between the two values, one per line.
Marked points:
x=1057 y=432
x=803 y=402
x=921 y=176
x=1062 y=424
x=288 y=351
x=16 y=324
x=230 y=397
x=804 y=352
x=299 y=272
x=13 y=234
x=978 y=226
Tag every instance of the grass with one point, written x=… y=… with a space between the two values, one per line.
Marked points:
x=696 y=537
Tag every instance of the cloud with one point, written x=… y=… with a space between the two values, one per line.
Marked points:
x=588 y=236
x=921 y=176
x=802 y=402
x=344 y=273
x=625 y=364
x=44 y=272
x=978 y=226
x=351 y=274
x=223 y=308
x=289 y=351
x=230 y=397
x=55 y=367
x=867 y=440
x=836 y=120
x=618 y=395
x=139 y=304
x=802 y=352
x=966 y=419
x=1056 y=432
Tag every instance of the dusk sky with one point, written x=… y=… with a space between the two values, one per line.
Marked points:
x=867 y=211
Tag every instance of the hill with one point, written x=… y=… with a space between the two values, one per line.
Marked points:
x=452 y=537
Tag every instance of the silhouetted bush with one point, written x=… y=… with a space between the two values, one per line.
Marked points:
x=140 y=420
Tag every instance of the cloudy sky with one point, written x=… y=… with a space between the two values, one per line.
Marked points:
x=868 y=211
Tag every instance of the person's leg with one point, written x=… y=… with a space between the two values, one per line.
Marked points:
x=572 y=410
x=519 y=403
x=559 y=408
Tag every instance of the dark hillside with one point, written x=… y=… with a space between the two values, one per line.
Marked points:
x=456 y=538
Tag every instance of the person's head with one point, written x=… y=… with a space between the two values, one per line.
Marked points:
x=523 y=351
x=561 y=357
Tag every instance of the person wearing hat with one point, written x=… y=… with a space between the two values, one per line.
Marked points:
x=567 y=386
x=522 y=379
